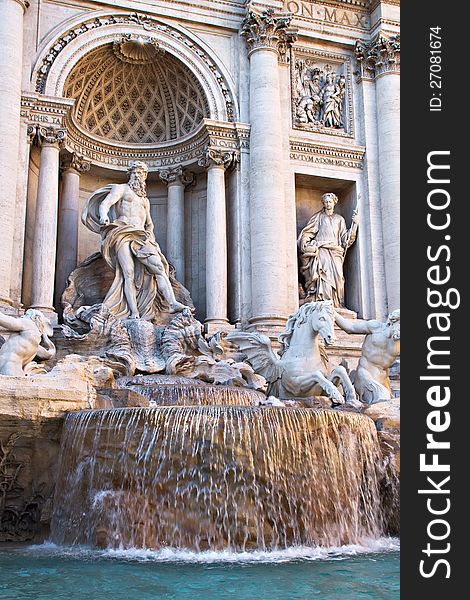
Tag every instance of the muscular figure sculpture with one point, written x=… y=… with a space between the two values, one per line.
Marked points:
x=323 y=243
x=24 y=344
x=380 y=350
x=121 y=214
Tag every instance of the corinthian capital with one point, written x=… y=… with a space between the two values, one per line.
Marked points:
x=381 y=55
x=177 y=175
x=214 y=157
x=74 y=161
x=268 y=30
x=51 y=135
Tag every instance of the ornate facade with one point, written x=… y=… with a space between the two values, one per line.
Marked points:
x=245 y=114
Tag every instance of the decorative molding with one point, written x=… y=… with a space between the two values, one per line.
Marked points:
x=379 y=56
x=226 y=136
x=320 y=154
x=184 y=152
x=45 y=110
x=268 y=30
x=322 y=63
x=149 y=25
x=75 y=162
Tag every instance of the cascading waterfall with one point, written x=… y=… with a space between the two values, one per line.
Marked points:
x=217 y=477
x=195 y=395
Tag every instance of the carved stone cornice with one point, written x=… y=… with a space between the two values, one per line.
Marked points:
x=326 y=155
x=268 y=30
x=51 y=135
x=74 y=162
x=45 y=110
x=379 y=56
x=177 y=175
x=213 y=157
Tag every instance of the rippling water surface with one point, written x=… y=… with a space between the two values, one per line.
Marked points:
x=50 y=572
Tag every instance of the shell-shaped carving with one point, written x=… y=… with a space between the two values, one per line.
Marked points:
x=137 y=49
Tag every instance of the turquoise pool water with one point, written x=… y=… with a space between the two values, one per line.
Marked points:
x=50 y=573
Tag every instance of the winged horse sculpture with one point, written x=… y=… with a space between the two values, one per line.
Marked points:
x=301 y=368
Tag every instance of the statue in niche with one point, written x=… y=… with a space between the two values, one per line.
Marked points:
x=323 y=243
x=30 y=338
x=319 y=96
x=380 y=350
x=121 y=214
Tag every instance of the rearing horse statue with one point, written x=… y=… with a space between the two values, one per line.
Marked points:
x=302 y=369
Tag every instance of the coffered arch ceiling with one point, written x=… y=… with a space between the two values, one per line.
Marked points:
x=135 y=95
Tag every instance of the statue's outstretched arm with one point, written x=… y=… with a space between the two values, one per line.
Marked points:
x=11 y=323
x=355 y=326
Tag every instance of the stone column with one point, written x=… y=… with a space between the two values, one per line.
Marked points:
x=216 y=161
x=67 y=233
x=380 y=60
x=176 y=180
x=11 y=43
x=268 y=37
x=27 y=135
x=45 y=228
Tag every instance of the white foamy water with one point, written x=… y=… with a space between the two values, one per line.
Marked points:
x=179 y=555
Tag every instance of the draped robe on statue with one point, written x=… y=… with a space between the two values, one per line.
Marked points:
x=143 y=245
x=321 y=244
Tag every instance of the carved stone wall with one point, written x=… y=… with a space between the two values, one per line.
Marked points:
x=322 y=92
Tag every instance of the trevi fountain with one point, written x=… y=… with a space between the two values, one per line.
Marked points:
x=199 y=353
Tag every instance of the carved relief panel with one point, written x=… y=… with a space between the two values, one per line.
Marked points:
x=321 y=92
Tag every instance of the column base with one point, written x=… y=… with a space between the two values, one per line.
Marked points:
x=10 y=308
x=215 y=325
x=270 y=325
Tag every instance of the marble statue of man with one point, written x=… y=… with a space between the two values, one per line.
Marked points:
x=28 y=333
x=380 y=350
x=121 y=214
x=322 y=244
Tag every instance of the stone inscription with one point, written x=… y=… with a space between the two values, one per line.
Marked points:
x=336 y=16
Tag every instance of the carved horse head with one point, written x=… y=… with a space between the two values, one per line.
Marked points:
x=318 y=316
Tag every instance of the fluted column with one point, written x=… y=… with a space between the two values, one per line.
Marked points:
x=216 y=162
x=67 y=232
x=177 y=180
x=380 y=60
x=268 y=36
x=11 y=62
x=45 y=228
